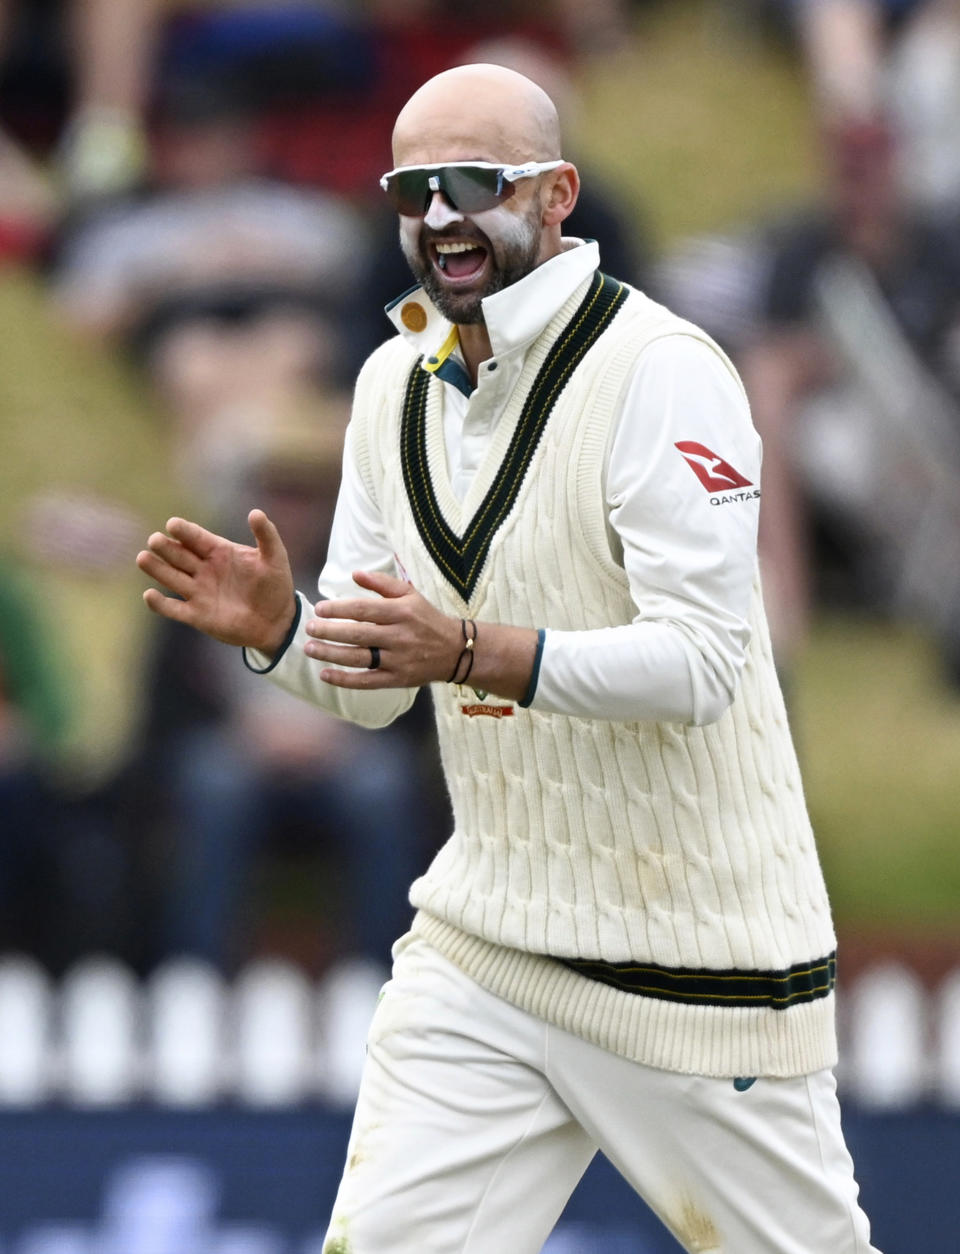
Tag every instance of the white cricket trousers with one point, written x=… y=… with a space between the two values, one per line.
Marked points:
x=475 y=1120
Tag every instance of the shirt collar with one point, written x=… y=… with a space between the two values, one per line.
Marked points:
x=514 y=316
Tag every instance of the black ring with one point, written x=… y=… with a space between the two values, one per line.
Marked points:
x=374 y=658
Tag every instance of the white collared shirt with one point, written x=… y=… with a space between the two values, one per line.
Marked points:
x=690 y=561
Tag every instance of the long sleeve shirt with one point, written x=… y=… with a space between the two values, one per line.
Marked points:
x=688 y=548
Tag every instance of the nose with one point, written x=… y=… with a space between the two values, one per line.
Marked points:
x=440 y=212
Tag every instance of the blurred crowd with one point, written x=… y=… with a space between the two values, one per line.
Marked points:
x=189 y=214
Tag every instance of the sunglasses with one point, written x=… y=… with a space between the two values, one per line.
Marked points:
x=469 y=186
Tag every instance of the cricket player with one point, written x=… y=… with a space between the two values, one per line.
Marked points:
x=548 y=513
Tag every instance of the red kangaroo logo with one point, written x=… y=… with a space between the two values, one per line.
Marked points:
x=714 y=473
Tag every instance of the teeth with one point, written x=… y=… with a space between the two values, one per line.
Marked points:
x=445 y=249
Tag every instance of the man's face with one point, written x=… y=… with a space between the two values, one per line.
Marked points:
x=462 y=258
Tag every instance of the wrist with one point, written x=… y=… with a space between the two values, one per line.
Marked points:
x=503 y=661
x=277 y=640
x=465 y=658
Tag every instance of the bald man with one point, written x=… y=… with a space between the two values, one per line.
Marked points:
x=548 y=513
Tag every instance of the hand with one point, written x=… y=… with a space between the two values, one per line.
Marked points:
x=234 y=592
x=418 y=644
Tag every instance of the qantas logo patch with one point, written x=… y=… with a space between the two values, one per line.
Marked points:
x=714 y=473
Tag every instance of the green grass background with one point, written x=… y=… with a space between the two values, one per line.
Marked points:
x=704 y=130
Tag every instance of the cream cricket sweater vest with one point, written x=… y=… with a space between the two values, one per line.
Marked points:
x=651 y=887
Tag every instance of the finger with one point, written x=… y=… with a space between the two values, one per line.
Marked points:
x=173 y=552
x=341 y=654
x=167 y=607
x=378 y=581
x=163 y=573
x=193 y=537
x=342 y=631
x=357 y=679
x=359 y=610
x=266 y=535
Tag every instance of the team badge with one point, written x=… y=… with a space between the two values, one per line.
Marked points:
x=483 y=707
x=491 y=711
x=413 y=317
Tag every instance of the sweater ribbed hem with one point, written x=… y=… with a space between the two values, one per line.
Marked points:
x=696 y=1040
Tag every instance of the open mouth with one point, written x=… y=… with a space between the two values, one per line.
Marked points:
x=459 y=261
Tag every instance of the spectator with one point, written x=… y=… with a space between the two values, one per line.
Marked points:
x=895 y=62
x=211 y=223
x=235 y=290
x=855 y=386
x=239 y=775
x=78 y=73
x=924 y=78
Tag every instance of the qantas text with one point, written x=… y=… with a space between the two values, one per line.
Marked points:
x=735 y=496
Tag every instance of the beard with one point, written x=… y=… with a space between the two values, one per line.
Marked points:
x=512 y=257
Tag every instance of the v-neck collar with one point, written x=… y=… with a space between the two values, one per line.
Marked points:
x=457 y=536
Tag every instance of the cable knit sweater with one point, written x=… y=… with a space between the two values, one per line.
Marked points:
x=652 y=887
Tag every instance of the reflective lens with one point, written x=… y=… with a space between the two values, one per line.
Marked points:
x=470 y=187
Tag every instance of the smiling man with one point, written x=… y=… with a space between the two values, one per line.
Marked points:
x=456 y=260
x=548 y=513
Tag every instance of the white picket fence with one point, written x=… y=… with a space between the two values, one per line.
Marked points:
x=272 y=1037
x=186 y=1037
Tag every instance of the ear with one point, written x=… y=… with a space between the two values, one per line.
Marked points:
x=561 y=195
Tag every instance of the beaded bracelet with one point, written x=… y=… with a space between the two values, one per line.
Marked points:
x=466 y=652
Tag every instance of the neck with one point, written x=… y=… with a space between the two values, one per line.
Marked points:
x=475 y=346
x=474 y=339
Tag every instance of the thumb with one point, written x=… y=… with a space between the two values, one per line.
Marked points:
x=267 y=536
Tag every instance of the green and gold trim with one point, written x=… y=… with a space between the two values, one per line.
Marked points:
x=778 y=990
x=460 y=558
